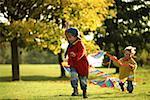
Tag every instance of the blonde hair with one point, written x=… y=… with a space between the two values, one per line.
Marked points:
x=131 y=49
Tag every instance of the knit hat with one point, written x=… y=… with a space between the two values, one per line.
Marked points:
x=73 y=31
x=131 y=49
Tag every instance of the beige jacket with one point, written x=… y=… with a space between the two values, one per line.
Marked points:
x=127 y=71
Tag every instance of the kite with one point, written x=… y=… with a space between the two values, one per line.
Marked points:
x=96 y=60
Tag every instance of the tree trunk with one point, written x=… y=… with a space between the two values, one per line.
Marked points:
x=61 y=66
x=118 y=2
x=15 y=60
x=117 y=54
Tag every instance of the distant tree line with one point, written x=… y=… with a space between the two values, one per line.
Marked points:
x=34 y=56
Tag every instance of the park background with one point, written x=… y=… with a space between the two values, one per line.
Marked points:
x=32 y=44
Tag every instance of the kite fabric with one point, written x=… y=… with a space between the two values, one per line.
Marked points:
x=104 y=83
x=96 y=60
x=109 y=81
x=67 y=69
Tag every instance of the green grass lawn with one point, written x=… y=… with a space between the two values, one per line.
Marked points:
x=41 y=82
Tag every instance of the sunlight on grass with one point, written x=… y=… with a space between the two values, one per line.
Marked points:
x=42 y=82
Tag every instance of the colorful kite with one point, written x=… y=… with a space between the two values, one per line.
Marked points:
x=96 y=60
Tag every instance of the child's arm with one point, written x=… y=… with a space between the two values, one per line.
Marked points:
x=114 y=59
x=81 y=51
x=72 y=54
x=133 y=65
x=116 y=62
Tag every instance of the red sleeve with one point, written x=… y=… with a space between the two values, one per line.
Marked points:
x=81 y=50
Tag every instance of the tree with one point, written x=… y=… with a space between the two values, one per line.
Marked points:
x=129 y=27
x=88 y=14
x=21 y=30
x=85 y=15
x=39 y=23
x=133 y=18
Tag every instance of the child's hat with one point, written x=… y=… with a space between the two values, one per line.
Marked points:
x=131 y=49
x=73 y=32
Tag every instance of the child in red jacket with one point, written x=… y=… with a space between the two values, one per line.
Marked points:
x=77 y=60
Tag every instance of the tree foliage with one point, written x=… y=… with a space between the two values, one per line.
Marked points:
x=87 y=14
x=32 y=20
x=129 y=27
x=40 y=22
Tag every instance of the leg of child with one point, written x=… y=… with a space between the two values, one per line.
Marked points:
x=74 y=81
x=83 y=84
x=129 y=86
x=121 y=85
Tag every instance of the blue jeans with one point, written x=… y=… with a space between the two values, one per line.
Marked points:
x=75 y=77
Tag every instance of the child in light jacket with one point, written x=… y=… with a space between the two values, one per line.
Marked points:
x=127 y=68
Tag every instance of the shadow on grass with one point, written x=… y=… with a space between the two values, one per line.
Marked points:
x=58 y=97
x=5 y=79
x=106 y=95
x=111 y=96
x=34 y=78
x=43 y=78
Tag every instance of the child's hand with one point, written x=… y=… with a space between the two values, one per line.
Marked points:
x=131 y=66
x=65 y=64
x=72 y=54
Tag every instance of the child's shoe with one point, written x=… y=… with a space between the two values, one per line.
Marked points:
x=75 y=92
x=121 y=86
x=84 y=94
x=130 y=87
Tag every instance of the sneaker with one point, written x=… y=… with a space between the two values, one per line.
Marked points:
x=75 y=92
x=84 y=94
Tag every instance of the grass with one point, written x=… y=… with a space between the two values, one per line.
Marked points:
x=42 y=82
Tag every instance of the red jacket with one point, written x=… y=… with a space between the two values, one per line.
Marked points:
x=79 y=62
